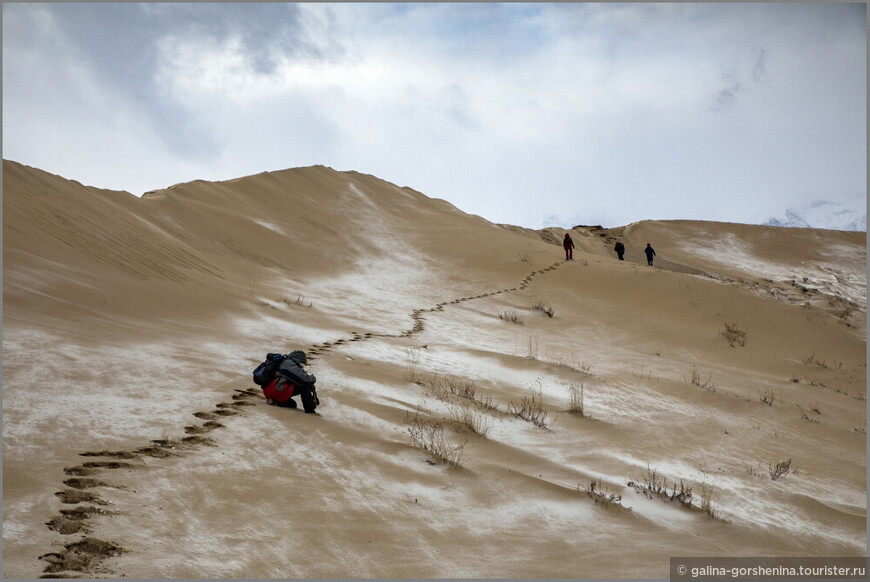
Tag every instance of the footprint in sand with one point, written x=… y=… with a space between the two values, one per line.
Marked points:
x=115 y=454
x=71 y=496
x=80 y=556
x=222 y=412
x=206 y=427
x=90 y=468
x=84 y=483
x=73 y=520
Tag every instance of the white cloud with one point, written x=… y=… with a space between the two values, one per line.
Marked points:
x=511 y=111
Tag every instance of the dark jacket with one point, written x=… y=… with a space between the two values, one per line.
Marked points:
x=619 y=247
x=568 y=242
x=291 y=368
x=649 y=252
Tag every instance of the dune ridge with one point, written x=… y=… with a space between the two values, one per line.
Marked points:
x=133 y=465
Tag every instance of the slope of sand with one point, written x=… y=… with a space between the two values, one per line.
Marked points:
x=131 y=426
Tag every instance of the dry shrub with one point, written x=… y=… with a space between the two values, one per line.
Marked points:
x=734 y=335
x=600 y=494
x=781 y=469
x=651 y=484
x=767 y=396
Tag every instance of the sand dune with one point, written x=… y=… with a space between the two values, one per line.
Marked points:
x=136 y=445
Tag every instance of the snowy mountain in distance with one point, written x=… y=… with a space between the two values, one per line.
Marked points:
x=845 y=214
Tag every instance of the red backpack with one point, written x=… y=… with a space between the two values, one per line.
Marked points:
x=280 y=389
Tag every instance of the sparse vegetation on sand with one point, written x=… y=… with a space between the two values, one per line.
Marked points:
x=512 y=316
x=451 y=387
x=468 y=418
x=708 y=502
x=561 y=356
x=767 y=396
x=780 y=469
x=651 y=484
x=705 y=384
x=300 y=300
x=531 y=409
x=465 y=410
x=804 y=415
x=575 y=398
x=734 y=335
x=544 y=308
x=412 y=365
x=429 y=434
x=600 y=495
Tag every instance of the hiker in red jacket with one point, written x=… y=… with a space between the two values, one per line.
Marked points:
x=291 y=380
x=569 y=247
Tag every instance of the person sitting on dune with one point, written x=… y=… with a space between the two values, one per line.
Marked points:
x=291 y=372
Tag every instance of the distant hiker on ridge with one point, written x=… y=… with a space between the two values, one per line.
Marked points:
x=620 y=249
x=650 y=253
x=568 y=243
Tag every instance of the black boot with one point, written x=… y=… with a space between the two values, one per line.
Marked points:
x=308 y=401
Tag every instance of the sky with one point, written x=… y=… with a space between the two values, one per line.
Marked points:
x=529 y=114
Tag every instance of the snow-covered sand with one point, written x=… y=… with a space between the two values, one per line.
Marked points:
x=128 y=321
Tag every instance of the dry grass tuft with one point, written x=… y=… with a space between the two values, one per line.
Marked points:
x=705 y=384
x=412 y=365
x=429 y=434
x=511 y=316
x=544 y=308
x=708 y=502
x=804 y=415
x=575 y=398
x=531 y=409
x=469 y=418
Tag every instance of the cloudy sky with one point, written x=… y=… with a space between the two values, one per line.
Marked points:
x=530 y=114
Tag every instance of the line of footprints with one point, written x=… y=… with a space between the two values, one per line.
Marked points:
x=86 y=554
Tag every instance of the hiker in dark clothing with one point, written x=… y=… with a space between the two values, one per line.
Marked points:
x=650 y=253
x=620 y=249
x=568 y=243
x=291 y=372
